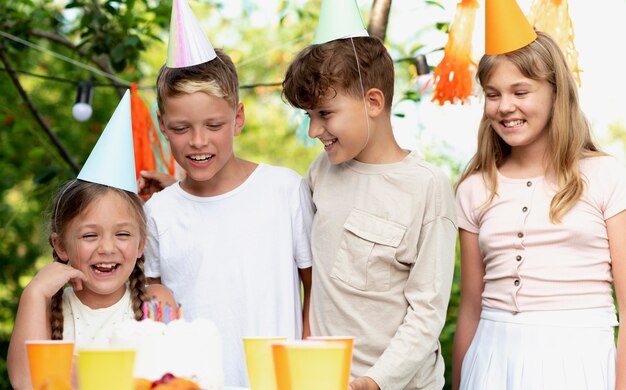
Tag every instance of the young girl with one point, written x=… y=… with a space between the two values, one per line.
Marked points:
x=98 y=235
x=541 y=218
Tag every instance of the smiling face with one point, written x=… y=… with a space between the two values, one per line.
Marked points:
x=341 y=124
x=518 y=108
x=200 y=129
x=104 y=241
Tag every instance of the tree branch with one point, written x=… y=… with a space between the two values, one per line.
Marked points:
x=379 y=19
x=55 y=140
x=102 y=63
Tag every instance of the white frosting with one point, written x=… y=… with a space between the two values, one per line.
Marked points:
x=190 y=350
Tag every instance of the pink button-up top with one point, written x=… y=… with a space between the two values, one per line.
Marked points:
x=533 y=264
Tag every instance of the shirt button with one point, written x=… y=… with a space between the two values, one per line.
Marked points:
x=518 y=258
x=524 y=209
x=529 y=183
x=516 y=282
x=520 y=235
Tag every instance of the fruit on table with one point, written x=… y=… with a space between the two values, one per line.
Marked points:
x=167 y=382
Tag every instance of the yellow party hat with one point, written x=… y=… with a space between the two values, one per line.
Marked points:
x=506 y=27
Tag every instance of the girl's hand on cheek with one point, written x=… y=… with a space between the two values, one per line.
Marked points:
x=53 y=277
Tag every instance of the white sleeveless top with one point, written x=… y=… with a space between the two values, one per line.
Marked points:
x=92 y=328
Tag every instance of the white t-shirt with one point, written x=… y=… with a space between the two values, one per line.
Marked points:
x=92 y=328
x=234 y=258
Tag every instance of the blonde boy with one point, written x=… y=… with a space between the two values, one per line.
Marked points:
x=231 y=239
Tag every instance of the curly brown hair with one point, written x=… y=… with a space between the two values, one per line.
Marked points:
x=339 y=66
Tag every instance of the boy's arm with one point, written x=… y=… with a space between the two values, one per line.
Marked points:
x=160 y=293
x=305 y=277
x=427 y=292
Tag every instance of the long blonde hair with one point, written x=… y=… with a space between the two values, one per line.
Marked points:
x=569 y=132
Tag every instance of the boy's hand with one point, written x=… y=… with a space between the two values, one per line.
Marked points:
x=363 y=383
x=53 y=277
x=153 y=181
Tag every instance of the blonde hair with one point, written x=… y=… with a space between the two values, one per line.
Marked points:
x=217 y=77
x=71 y=201
x=569 y=132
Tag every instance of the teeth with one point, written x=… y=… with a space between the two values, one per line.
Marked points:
x=201 y=157
x=329 y=142
x=107 y=265
x=514 y=123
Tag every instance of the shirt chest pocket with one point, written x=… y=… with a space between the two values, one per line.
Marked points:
x=367 y=251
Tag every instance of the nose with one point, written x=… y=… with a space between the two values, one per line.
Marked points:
x=107 y=245
x=197 y=138
x=507 y=104
x=315 y=128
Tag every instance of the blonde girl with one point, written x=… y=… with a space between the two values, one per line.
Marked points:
x=541 y=218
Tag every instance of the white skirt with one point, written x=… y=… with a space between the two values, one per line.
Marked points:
x=550 y=350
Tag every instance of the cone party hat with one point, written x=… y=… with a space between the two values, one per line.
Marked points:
x=339 y=19
x=112 y=160
x=506 y=27
x=188 y=44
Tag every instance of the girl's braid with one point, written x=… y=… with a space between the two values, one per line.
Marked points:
x=56 y=308
x=137 y=285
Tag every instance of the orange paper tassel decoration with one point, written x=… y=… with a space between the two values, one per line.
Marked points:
x=453 y=75
x=552 y=16
x=145 y=137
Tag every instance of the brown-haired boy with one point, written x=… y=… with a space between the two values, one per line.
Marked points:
x=230 y=238
x=384 y=231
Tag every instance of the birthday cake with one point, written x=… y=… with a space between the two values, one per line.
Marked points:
x=189 y=350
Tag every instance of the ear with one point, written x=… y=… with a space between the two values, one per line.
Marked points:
x=142 y=245
x=161 y=124
x=240 y=118
x=58 y=246
x=375 y=99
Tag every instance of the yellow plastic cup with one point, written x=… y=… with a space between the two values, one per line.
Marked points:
x=311 y=365
x=49 y=360
x=106 y=369
x=260 y=362
x=347 y=340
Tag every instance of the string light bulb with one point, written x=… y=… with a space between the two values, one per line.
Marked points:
x=82 y=107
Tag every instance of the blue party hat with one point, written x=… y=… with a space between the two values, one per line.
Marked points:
x=112 y=160
x=339 y=19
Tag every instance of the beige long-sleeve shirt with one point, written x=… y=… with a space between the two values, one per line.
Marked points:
x=383 y=244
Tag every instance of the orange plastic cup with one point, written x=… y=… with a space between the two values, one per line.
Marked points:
x=311 y=365
x=49 y=361
x=260 y=362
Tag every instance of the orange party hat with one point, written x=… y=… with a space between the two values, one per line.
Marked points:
x=506 y=27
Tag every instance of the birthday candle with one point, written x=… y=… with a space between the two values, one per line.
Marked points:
x=166 y=318
x=145 y=310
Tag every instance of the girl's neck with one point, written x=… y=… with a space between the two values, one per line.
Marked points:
x=98 y=301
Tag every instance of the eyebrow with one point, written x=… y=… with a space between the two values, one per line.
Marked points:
x=514 y=85
x=96 y=225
